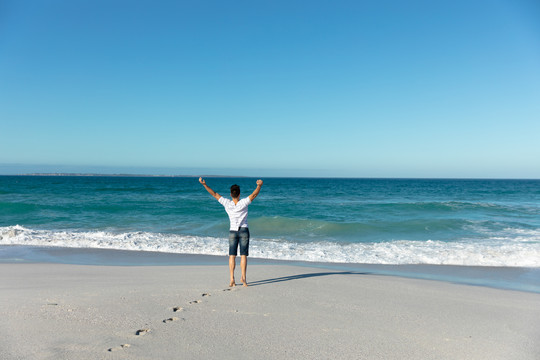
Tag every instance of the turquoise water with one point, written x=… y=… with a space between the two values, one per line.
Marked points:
x=373 y=221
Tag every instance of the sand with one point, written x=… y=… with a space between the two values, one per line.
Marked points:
x=57 y=311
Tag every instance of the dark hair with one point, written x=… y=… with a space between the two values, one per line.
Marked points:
x=235 y=191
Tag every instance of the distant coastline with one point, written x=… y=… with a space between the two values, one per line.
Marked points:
x=124 y=175
x=247 y=177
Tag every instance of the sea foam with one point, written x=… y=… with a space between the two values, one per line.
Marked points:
x=512 y=250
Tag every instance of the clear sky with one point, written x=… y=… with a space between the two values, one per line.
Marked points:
x=271 y=88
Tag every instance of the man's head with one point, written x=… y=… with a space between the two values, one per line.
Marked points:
x=235 y=191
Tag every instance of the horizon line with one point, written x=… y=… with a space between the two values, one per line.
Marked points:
x=59 y=174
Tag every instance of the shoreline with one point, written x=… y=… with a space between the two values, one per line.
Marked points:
x=505 y=278
x=66 y=311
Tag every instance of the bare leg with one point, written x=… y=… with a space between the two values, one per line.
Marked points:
x=232 y=266
x=243 y=265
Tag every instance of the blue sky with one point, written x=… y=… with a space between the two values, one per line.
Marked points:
x=271 y=88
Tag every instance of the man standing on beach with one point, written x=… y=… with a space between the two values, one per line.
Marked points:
x=238 y=232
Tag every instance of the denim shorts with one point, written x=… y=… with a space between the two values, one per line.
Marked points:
x=239 y=237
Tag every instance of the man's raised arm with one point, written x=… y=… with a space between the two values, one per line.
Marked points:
x=257 y=190
x=210 y=191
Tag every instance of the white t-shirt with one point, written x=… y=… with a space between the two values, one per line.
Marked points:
x=237 y=212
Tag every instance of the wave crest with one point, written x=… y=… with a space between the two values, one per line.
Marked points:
x=515 y=252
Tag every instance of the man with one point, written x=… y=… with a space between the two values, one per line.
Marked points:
x=238 y=232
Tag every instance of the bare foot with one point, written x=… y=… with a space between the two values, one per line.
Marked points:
x=244 y=282
x=233 y=283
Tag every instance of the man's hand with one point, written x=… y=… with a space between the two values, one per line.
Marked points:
x=210 y=191
x=257 y=190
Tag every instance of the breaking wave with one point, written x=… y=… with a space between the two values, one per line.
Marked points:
x=513 y=248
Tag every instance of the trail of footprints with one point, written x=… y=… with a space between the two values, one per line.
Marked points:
x=176 y=309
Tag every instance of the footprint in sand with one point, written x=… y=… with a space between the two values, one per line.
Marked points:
x=123 y=346
x=142 y=332
x=178 y=308
x=205 y=294
x=171 y=319
x=195 y=302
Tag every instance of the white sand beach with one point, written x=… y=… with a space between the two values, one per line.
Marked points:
x=56 y=311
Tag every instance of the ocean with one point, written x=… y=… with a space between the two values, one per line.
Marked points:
x=354 y=221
